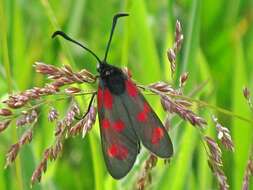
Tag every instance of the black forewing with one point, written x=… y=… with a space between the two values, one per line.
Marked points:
x=120 y=144
x=146 y=123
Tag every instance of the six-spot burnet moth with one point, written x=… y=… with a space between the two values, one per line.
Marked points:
x=125 y=117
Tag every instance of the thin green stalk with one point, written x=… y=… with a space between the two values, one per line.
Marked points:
x=4 y=48
x=190 y=35
x=18 y=164
x=6 y=63
x=96 y=162
x=52 y=18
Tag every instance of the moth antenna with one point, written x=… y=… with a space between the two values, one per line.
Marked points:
x=114 y=22
x=66 y=37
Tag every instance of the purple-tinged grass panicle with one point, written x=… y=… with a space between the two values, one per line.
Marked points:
x=65 y=73
x=27 y=118
x=172 y=59
x=63 y=130
x=178 y=36
x=20 y=99
x=248 y=173
x=5 y=112
x=51 y=154
x=42 y=167
x=163 y=87
x=215 y=151
x=172 y=52
x=220 y=175
x=173 y=101
x=215 y=162
x=223 y=135
x=72 y=112
x=72 y=90
x=167 y=123
x=247 y=95
x=89 y=121
x=12 y=154
x=54 y=150
x=14 y=150
x=59 y=128
x=77 y=128
x=4 y=124
x=145 y=177
x=26 y=137
x=182 y=111
x=85 y=124
x=183 y=79
x=184 y=103
x=26 y=114
x=61 y=76
x=53 y=114
x=175 y=105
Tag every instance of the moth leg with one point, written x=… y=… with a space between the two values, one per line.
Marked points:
x=90 y=103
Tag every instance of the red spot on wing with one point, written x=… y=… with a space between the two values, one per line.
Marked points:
x=119 y=126
x=100 y=97
x=143 y=115
x=146 y=108
x=117 y=151
x=131 y=88
x=108 y=99
x=105 y=123
x=122 y=153
x=112 y=151
x=157 y=135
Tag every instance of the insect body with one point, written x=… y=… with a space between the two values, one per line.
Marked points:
x=125 y=117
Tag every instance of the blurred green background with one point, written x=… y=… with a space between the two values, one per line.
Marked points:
x=218 y=46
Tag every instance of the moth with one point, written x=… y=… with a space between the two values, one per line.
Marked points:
x=125 y=117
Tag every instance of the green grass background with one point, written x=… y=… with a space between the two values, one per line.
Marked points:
x=218 y=46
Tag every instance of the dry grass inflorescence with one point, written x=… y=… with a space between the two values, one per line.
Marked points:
x=23 y=109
